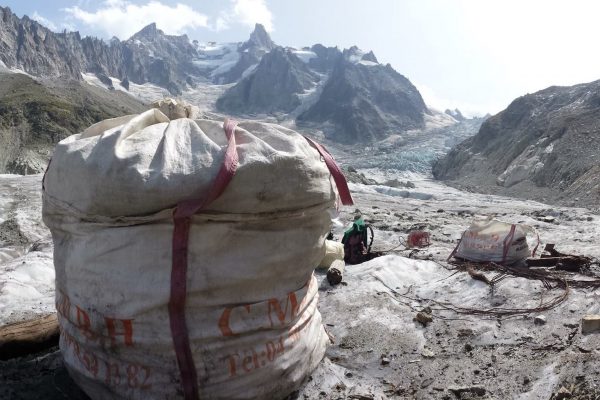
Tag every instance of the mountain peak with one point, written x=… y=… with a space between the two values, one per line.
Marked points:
x=150 y=31
x=259 y=38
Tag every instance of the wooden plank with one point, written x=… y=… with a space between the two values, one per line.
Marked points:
x=27 y=337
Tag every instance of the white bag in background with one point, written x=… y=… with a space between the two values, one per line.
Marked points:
x=491 y=240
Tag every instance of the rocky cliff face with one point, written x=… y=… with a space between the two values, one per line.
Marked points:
x=27 y=45
x=543 y=146
x=326 y=58
x=273 y=87
x=364 y=101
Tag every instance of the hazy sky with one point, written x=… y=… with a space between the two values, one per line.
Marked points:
x=476 y=55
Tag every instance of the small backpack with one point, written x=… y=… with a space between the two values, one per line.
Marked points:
x=357 y=248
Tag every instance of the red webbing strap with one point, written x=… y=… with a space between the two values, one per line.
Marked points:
x=335 y=171
x=456 y=248
x=537 y=244
x=507 y=241
x=182 y=218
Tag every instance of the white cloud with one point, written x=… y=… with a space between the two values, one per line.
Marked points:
x=44 y=21
x=250 y=12
x=122 y=19
x=221 y=23
x=245 y=12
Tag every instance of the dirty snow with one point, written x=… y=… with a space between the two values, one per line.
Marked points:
x=370 y=318
x=26 y=267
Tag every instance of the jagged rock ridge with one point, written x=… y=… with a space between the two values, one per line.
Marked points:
x=148 y=56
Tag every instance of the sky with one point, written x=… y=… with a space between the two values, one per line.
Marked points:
x=474 y=55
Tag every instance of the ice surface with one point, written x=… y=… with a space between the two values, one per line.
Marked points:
x=372 y=315
x=26 y=267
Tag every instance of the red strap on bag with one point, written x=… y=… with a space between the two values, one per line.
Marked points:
x=182 y=217
x=335 y=171
x=507 y=242
x=456 y=248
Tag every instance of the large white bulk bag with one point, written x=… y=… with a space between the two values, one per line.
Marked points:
x=178 y=276
x=490 y=240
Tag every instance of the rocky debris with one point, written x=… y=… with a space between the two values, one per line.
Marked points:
x=459 y=392
x=540 y=320
x=424 y=317
x=465 y=332
x=357 y=177
x=427 y=353
x=562 y=393
x=395 y=183
x=578 y=388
